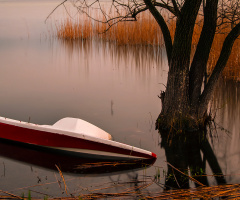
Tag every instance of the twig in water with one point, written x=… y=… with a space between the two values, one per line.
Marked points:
x=13 y=195
x=176 y=179
x=191 y=178
x=60 y=172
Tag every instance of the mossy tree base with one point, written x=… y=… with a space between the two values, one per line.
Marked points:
x=182 y=123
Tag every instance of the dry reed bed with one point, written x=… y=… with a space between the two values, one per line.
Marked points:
x=142 y=32
x=145 y=31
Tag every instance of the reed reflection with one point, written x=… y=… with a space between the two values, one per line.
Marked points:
x=226 y=104
x=188 y=155
x=143 y=57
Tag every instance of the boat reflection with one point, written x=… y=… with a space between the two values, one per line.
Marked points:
x=67 y=162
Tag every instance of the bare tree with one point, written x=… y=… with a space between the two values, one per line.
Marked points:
x=184 y=103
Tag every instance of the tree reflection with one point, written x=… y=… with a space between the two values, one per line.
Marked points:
x=189 y=153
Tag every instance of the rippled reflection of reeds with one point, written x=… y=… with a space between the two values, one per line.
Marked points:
x=141 y=56
x=226 y=100
x=225 y=108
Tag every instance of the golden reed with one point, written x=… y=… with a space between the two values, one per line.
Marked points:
x=145 y=31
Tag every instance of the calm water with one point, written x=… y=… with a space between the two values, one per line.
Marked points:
x=44 y=80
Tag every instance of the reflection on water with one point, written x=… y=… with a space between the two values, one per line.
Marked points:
x=141 y=57
x=49 y=159
x=216 y=156
x=187 y=156
x=227 y=103
x=226 y=142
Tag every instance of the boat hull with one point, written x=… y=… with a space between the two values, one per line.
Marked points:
x=60 y=140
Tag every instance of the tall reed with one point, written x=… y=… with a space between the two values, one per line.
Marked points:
x=72 y=30
x=145 y=31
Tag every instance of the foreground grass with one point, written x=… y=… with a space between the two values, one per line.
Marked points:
x=140 y=189
x=145 y=31
x=231 y=191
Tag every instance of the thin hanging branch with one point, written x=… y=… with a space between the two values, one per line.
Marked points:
x=55 y=9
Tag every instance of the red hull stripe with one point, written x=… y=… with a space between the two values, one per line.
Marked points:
x=44 y=138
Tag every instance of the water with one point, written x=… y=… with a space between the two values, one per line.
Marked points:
x=43 y=80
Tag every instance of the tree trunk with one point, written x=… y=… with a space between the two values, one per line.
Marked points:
x=176 y=104
x=200 y=59
x=184 y=106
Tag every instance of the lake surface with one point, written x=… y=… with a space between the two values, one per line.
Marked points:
x=43 y=80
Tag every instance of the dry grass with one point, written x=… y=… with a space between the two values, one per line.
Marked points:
x=144 y=32
x=140 y=189
x=72 y=31
x=231 y=191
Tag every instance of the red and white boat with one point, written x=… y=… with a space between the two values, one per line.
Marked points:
x=71 y=135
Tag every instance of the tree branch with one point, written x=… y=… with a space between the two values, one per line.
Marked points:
x=221 y=63
x=54 y=10
x=200 y=59
x=176 y=9
x=184 y=32
x=165 y=6
x=161 y=22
